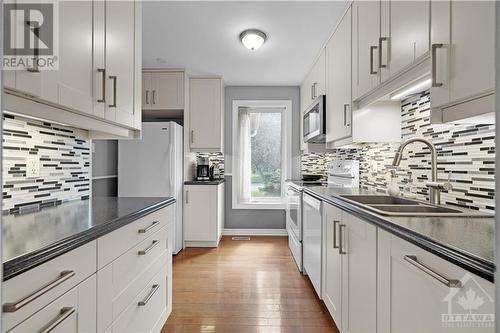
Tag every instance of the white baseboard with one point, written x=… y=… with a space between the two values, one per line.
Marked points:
x=254 y=232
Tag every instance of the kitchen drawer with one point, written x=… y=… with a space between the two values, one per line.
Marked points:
x=128 y=266
x=120 y=281
x=114 y=244
x=147 y=308
x=36 y=288
x=59 y=316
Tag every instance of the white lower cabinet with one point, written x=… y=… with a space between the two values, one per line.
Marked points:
x=374 y=281
x=420 y=292
x=72 y=312
x=203 y=215
x=360 y=246
x=132 y=293
x=350 y=270
x=63 y=273
x=333 y=264
x=148 y=309
x=135 y=288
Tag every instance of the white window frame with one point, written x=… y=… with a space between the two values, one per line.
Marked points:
x=286 y=151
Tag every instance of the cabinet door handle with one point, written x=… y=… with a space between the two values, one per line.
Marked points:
x=341 y=239
x=145 y=301
x=347 y=121
x=312 y=91
x=450 y=283
x=36 y=50
x=154 y=96
x=372 y=48
x=62 y=316
x=13 y=307
x=114 y=79
x=380 y=50
x=187 y=197
x=151 y=226
x=103 y=91
x=192 y=136
x=335 y=222
x=147 y=97
x=149 y=248
x=434 y=48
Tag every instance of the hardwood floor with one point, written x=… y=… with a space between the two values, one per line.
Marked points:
x=244 y=286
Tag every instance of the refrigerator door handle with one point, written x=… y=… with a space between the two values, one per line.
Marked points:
x=170 y=158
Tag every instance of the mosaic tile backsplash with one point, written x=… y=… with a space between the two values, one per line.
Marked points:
x=466 y=154
x=215 y=158
x=64 y=159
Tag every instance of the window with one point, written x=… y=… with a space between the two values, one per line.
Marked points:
x=261 y=153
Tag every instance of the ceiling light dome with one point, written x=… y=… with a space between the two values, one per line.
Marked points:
x=253 y=38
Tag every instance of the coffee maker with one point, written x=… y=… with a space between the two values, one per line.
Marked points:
x=202 y=168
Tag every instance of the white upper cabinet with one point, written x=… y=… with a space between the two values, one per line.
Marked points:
x=73 y=81
x=163 y=90
x=314 y=84
x=206 y=114
x=404 y=35
x=338 y=81
x=463 y=59
x=98 y=75
x=70 y=85
x=318 y=79
x=366 y=32
x=120 y=36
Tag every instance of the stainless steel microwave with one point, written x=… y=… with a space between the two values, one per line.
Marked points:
x=314 y=121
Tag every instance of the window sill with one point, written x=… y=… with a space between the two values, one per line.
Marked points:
x=260 y=205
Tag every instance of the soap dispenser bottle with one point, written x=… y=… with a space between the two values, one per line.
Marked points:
x=392 y=186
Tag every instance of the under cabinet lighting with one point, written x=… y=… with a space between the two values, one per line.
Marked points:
x=419 y=86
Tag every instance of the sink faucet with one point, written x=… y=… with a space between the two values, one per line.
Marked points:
x=435 y=187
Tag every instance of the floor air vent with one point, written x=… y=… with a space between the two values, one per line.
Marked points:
x=241 y=238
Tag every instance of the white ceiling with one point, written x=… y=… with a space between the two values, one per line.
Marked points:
x=203 y=38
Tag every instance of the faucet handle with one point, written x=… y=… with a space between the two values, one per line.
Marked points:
x=446 y=186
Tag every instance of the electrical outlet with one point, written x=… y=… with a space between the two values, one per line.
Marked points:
x=32 y=167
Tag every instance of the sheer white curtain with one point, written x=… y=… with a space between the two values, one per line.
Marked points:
x=245 y=151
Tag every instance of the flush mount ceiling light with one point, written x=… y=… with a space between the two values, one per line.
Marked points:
x=414 y=88
x=253 y=38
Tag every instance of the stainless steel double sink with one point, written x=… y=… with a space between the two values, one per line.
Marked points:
x=396 y=206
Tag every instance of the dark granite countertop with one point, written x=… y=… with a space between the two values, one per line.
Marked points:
x=204 y=182
x=34 y=238
x=465 y=241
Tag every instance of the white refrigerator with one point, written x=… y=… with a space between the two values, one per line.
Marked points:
x=153 y=167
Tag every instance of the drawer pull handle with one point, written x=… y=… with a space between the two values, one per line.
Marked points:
x=145 y=301
x=63 y=315
x=13 y=307
x=151 y=226
x=450 y=283
x=149 y=248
